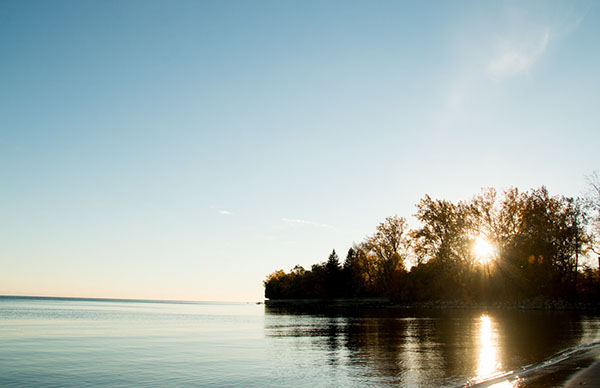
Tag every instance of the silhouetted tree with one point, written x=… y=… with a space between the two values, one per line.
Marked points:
x=318 y=276
x=352 y=274
x=391 y=246
x=333 y=276
x=445 y=234
x=592 y=202
x=550 y=238
x=445 y=242
x=538 y=237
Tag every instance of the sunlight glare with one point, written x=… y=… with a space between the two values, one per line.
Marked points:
x=483 y=250
x=505 y=384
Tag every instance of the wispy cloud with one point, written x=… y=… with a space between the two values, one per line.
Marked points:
x=225 y=212
x=305 y=222
x=514 y=57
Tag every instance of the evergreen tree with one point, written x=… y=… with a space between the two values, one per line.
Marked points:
x=333 y=272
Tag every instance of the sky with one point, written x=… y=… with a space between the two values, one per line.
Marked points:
x=186 y=149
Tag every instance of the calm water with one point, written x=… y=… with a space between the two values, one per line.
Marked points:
x=87 y=343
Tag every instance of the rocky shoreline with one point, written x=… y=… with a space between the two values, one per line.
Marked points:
x=527 y=304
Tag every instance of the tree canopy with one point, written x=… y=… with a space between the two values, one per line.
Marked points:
x=536 y=242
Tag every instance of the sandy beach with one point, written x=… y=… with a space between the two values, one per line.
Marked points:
x=589 y=377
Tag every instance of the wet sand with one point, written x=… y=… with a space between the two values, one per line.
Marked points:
x=589 y=377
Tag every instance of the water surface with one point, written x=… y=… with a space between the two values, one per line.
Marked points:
x=102 y=343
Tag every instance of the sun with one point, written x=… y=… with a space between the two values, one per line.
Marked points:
x=484 y=251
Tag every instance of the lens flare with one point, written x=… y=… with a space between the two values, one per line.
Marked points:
x=484 y=251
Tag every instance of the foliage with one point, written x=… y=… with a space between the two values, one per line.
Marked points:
x=539 y=240
x=389 y=247
x=592 y=205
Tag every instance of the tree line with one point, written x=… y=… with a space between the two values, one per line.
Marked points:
x=536 y=245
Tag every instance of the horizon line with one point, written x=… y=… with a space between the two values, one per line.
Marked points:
x=100 y=299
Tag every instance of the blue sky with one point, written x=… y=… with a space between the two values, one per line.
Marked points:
x=184 y=150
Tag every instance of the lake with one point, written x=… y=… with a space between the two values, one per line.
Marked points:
x=50 y=342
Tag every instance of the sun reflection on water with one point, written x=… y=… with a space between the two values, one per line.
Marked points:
x=488 y=345
x=489 y=364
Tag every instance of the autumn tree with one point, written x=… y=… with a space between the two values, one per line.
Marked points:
x=390 y=245
x=445 y=232
x=592 y=204
x=497 y=219
x=550 y=239
x=538 y=241
x=275 y=286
